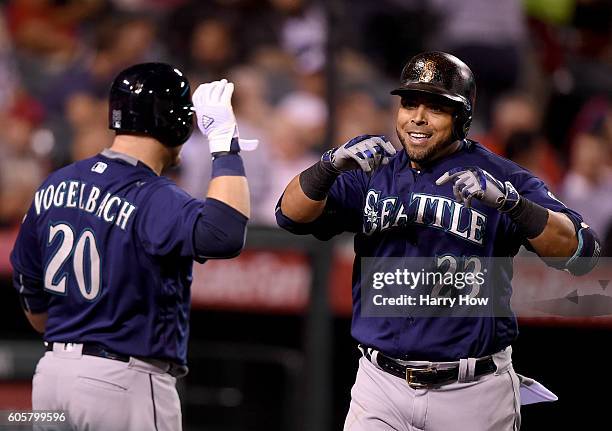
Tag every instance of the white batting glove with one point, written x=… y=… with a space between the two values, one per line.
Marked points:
x=213 y=105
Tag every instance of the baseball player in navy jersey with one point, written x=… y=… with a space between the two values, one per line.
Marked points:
x=104 y=257
x=441 y=195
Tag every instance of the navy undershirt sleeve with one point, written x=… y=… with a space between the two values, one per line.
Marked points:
x=32 y=296
x=219 y=232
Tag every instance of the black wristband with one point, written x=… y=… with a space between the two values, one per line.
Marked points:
x=530 y=217
x=318 y=179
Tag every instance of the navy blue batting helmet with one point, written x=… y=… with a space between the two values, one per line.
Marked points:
x=152 y=99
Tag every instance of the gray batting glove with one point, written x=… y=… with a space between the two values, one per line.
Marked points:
x=365 y=152
x=476 y=183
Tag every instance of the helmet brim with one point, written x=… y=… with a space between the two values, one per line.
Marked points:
x=421 y=87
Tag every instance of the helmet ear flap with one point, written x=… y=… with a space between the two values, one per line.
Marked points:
x=466 y=126
x=462 y=121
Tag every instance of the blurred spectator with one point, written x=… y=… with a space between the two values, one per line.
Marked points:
x=489 y=37
x=22 y=162
x=290 y=153
x=147 y=6
x=8 y=68
x=585 y=68
x=19 y=179
x=529 y=149
x=47 y=28
x=588 y=186
x=46 y=35
x=18 y=125
x=303 y=33
x=311 y=113
x=516 y=113
x=359 y=113
x=406 y=26
x=253 y=25
x=88 y=118
x=589 y=58
x=24 y=149
x=211 y=50
x=119 y=42
x=251 y=96
x=595 y=117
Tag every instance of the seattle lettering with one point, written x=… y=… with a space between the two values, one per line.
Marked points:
x=428 y=210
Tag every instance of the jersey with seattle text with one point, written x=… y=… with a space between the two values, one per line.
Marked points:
x=108 y=246
x=398 y=211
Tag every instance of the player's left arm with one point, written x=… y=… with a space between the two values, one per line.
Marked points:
x=556 y=234
x=27 y=273
x=33 y=299
x=559 y=237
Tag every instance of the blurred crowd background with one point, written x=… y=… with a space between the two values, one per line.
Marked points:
x=543 y=70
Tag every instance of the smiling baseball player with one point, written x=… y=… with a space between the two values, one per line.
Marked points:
x=104 y=257
x=442 y=195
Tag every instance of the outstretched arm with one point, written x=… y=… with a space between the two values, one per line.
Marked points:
x=552 y=234
x=305 y=197
x=216 y=120
x=233 y=191
x=220 y=230
x=558 y=239
x=299 y=207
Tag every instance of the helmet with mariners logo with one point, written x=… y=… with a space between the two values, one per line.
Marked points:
x=444 y=75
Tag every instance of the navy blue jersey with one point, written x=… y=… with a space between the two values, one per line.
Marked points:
x=399 y=211
x=107 y=250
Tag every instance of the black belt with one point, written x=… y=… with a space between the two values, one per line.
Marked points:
x=426 y=376
x=90 y=349
x=96 y=350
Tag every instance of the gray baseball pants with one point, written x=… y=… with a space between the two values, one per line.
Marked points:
x=101 y=394
x=381 y=401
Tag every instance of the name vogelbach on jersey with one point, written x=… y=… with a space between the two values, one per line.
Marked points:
x=79 y=195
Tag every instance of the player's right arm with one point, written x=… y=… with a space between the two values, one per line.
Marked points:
x=307 y=197
x=215 y=117
x=556 y=233
x=220 y=230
